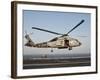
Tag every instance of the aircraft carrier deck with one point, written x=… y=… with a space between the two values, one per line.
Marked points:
x=36 y=63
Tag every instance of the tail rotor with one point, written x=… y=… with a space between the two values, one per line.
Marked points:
x=29 y=40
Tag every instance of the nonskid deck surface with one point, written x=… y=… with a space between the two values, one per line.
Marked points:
x=36 y=63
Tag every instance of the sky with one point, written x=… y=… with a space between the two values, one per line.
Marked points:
x=60 y=22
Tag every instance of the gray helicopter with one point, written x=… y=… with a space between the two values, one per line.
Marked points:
x=61 y=42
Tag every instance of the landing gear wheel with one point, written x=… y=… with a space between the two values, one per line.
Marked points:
x=70 y=48
x=51 y=50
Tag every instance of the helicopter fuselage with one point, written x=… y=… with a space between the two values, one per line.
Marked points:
x=61 y=42
x=58 y=42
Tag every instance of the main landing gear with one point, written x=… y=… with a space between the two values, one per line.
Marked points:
x=70 y=48
x=51 y=50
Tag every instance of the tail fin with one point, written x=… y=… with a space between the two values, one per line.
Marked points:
x=30 y=43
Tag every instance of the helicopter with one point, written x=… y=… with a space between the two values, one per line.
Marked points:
x=63 y=41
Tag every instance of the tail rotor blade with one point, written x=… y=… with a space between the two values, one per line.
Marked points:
x=25 y=32
x=31 y=33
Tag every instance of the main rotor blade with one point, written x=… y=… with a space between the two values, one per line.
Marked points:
x=74 y=27
x=47 y=31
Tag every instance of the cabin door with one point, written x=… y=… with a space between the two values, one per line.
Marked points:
x=66 y=43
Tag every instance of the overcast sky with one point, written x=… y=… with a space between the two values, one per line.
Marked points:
x=60 y=22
